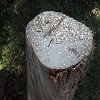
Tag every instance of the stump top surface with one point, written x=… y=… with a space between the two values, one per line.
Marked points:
x=59 y=41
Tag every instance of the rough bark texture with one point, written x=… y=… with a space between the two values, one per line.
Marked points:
x=51 y=84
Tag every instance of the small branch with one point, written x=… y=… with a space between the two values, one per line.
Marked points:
x=50 y=42
x=55 y=25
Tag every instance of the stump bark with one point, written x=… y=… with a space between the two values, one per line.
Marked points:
x=52 y=75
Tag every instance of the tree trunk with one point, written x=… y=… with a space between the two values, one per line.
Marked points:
x=56 y=56
x=51 y=84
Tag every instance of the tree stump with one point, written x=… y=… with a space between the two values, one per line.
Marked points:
x=57 y=49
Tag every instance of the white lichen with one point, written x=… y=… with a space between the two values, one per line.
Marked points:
x=59 y=41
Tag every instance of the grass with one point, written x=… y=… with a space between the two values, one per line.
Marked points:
x=16 y=14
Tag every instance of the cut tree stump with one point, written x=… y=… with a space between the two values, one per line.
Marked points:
x=58 y=48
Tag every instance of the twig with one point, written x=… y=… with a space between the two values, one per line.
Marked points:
x=50 y=42
x=55 y=25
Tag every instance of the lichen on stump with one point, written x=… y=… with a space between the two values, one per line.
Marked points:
x=58 y=47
